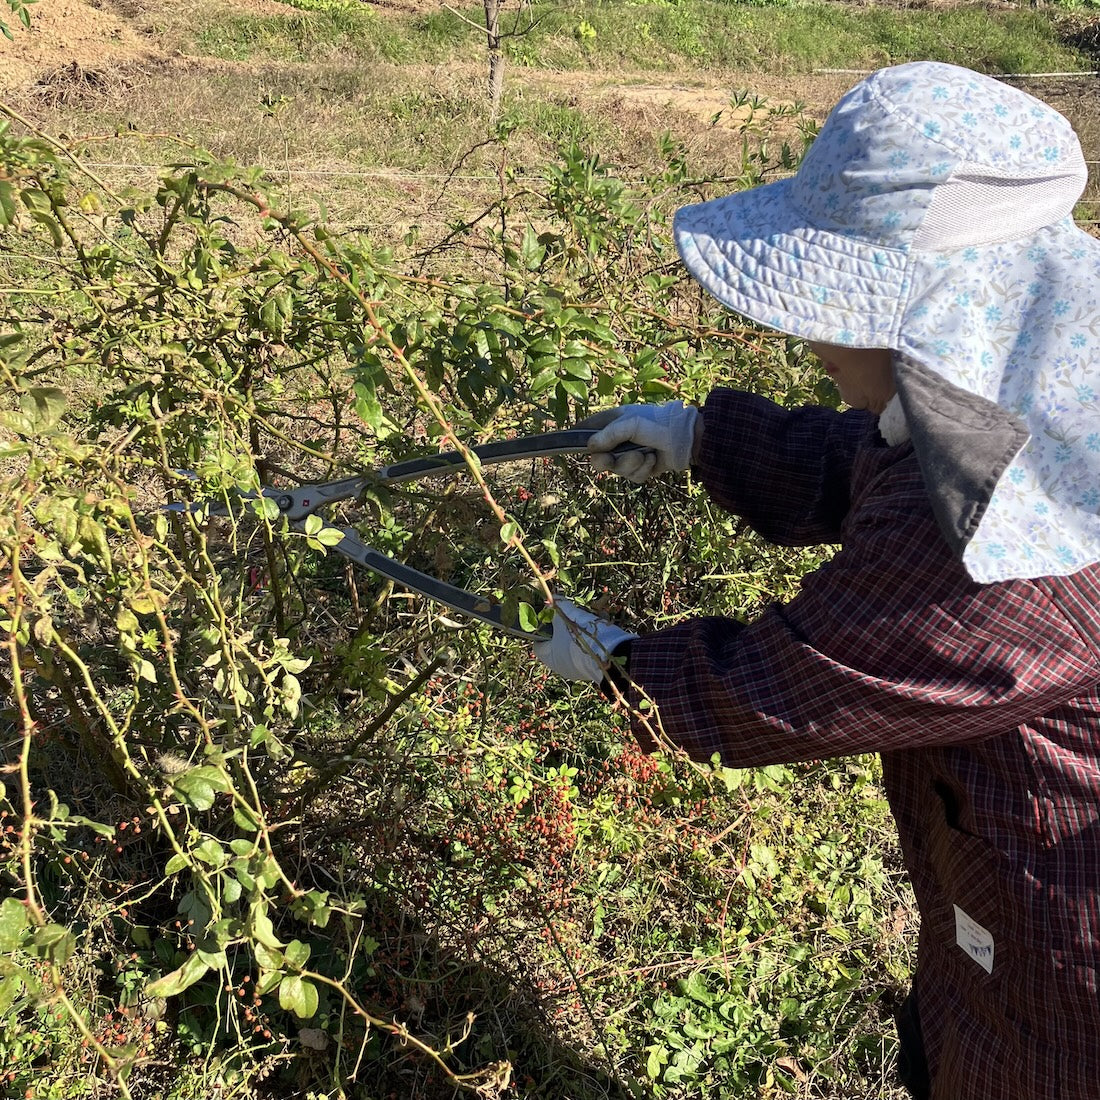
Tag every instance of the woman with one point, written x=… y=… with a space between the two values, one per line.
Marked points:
x=926 y=251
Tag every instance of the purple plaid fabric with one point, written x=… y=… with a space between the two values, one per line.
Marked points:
x=984 y=701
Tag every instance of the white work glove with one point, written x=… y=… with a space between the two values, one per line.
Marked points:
x=581 y=645
x=667 y=432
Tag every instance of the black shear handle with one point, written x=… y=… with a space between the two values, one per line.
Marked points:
x=458 y=599
x=569 y=442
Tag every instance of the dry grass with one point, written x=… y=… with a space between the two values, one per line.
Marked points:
x=391 y=145
x=392 y=151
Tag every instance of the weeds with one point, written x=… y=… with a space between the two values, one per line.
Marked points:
x=334 y=829
x=270 y=827
x=713 y=34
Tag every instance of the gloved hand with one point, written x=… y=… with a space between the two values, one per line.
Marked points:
x=581 y=645
x=667 y=432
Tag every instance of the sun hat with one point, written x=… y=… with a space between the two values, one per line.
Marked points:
x=932 y=215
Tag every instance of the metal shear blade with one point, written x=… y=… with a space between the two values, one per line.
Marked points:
x=299 y=503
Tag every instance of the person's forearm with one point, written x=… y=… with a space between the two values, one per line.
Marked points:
x=829 y=673
x=785 y=471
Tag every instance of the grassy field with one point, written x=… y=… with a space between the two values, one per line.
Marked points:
x=271 y=828
x=601 y=37
x=318 y=95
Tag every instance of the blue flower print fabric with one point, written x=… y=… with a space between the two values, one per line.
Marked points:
x=932 y=216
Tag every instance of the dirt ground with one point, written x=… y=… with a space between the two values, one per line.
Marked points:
x=64 y=33
x=73 y=43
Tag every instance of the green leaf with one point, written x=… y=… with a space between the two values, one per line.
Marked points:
x=268 y=958
x=35 y=199
x=195 y=905
x=13 y=923
x=244 y=818
x=298 y=996
x=732 y=778
x=542 y=346
x=531 y=252
x=267 y=981
x=314 y=907
x=178 y=980
x=297 y=954
x=696 y=988
x=272 y=319
x=696 y=1031
x=657 y=1060
x=8 y=211
x=126 y=620
x=262 y=929
x=10 y=987
x=55 y=942
x=544 y=379
x=243 y=874
x=44 y=406
x=211 y=947
x=367 y=406
x=215 y=958
x=93 y=539
x=177 y=863
x=292 y=694
x=51 y=226
x=210 y=851
x=330 y=536
x=198 y=786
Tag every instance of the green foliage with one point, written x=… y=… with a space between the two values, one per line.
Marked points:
x=772 y=997
x=769 y=36
x=320 y=29
x=304 y=825
x=798 y=37
x=21 y=10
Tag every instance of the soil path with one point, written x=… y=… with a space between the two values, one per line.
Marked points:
x=71 y=44
x=64 y=34
x=70 y=41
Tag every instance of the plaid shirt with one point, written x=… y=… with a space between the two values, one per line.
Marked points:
x=984 y=702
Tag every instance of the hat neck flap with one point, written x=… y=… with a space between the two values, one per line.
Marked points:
x=963 y=444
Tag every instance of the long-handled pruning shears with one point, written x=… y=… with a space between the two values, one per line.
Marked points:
x=299 y=503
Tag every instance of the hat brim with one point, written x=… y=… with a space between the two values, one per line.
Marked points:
x=756 y=253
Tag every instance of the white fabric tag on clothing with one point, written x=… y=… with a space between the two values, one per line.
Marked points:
x=975 y=940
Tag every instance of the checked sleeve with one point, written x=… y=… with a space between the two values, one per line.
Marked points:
x=786 y=472
x=889 y=645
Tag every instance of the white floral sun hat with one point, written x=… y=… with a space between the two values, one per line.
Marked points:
x=932 y=216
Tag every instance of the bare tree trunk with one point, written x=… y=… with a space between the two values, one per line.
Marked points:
x=496 y=58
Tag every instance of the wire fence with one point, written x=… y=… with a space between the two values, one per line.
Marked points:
x=997 y=76
x=397 y=175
